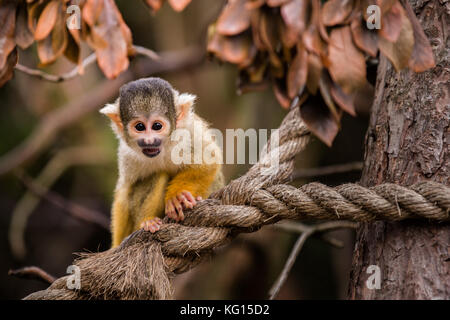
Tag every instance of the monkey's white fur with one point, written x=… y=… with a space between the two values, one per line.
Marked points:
x=133 y=164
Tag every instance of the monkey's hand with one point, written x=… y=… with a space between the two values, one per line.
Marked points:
x=175 y=205
x=152 y=225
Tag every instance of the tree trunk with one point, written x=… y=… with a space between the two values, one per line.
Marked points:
x=408 y=141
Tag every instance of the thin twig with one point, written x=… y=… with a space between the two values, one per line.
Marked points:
x=76 y=210
x=306 y=231
x=34 y=273
x=299 y=227
x=327 y=170
x=333 y=225
x=58 y=78
x=289 y=263
x=332 y=241
x=79 y=69
x=146 y=52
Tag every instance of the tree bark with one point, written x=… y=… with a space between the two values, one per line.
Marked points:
x=408 y=141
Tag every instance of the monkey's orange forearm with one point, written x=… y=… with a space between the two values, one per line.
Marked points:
x=197 y=179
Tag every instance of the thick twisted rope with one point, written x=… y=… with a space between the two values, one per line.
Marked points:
x=140 y=267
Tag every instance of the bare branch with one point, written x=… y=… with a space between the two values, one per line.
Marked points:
x=54 y=168
x=146 y=52
x=51 y=124
x=34 y=273
x=289 y=263
x=299 y=227
x=306 y=231
x=58 y=78
x=333 y=225
x=78 y=70
x=327 y=170
x=76 y=210
x=332 y=241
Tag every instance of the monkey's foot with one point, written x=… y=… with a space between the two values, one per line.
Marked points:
x=174 y=206
x=152 y=225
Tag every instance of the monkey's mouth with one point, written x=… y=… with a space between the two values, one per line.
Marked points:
x=151 y=152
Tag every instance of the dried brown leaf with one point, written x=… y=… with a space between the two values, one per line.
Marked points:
x=179 y=5
x=319 y=119
x=22 y=34
x=246 y=84
x=73 y=52
x=268 y=31
x=269 y=36
x=234 y=19
x=255 y=4
x=234 y=49
x=422 y=55
x=289 y=37
x=54 y=45
x=255 y=20
x=325 y=84
x=279 y=90
x=110 y=36
x=295 y=15
x=7 y=72
x=47 y=19
x=385 y=5
x=155 y=5
x=311 y=37
x=276 y=3
x=257 y=70
x=399 y=53
x=314 y=72
x=336 y=11
x=364 y=98
x=297 y=73
x=7 y=25
x=34 y=12
x=391 y=23
x=364 y=38
x=345 y=101
x=347 y=64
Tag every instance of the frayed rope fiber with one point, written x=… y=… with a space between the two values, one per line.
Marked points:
x=141 y=267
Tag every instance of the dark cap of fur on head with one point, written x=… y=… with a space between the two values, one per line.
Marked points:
x=147 y=95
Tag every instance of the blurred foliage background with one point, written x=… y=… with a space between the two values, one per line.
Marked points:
x=245 y=269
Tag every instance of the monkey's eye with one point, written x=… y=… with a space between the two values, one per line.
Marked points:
x=140 y=126
x=157 y=126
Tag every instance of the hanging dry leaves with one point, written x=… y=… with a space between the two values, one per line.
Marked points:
x=109 y=36
x=7 y=72
x=312 y=49
x=23 y=22
x=316 y=50
x=7 y=27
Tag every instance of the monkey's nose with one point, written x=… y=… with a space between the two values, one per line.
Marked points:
x=146 y=143
x=156 y=142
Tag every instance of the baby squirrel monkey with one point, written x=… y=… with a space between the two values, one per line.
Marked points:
x=144 y=118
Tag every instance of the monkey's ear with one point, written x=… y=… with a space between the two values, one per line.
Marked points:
x=183 y=105
x=112 y=112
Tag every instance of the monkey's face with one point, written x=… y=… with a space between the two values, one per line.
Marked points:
x=146 y=113
x=148 y=134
